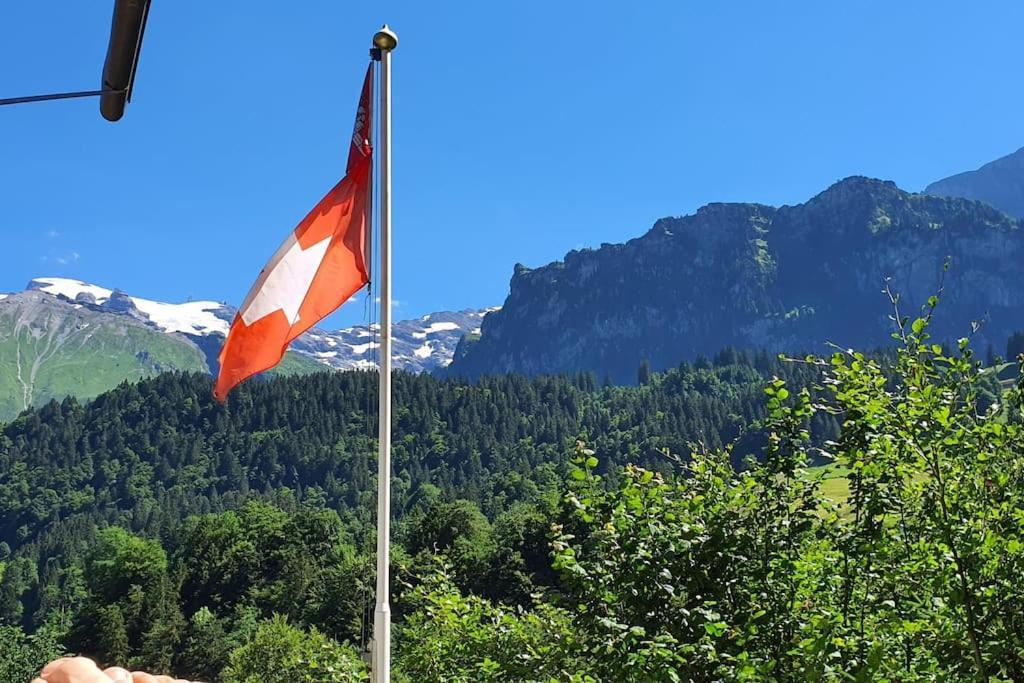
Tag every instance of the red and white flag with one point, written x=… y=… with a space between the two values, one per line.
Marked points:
x=320 y=265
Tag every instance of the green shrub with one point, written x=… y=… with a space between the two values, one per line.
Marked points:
x=281 y=653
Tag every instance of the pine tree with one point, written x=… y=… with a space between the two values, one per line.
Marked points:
x=644 y=373
x=111 y=636
x=1015 y=346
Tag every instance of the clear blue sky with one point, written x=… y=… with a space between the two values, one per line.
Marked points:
x=522 y=129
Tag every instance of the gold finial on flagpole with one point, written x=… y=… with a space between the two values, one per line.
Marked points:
x=385 y=39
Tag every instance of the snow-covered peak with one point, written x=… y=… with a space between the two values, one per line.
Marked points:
x=71 y=289
x=423 y=344
x=198 y=318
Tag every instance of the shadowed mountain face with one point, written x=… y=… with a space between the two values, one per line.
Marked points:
x=753 y=276
x=999 y=183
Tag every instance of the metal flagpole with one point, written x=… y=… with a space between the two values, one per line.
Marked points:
x=384 y=41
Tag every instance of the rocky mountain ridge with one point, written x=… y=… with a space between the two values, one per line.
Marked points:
x=787 y=278
x=999 y=183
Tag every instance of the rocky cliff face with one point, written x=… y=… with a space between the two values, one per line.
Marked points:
x=999 y=183
x=758 y=277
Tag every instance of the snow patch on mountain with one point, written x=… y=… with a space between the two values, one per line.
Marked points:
x=441 y=327
x=198 y=318
x=360 y=349
x=194 y=317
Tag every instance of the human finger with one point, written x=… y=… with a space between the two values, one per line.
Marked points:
x=118 y=675
x=143 y=677
x=54 y=665
x=73 y=670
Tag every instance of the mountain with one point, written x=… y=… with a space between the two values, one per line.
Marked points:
x=50 y=348
x=752 y=276
x=422 y=344
x=66 y=337
x=999 y=183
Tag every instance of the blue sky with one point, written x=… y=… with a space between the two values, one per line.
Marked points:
x=522 y=130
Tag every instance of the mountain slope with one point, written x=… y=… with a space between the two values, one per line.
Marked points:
x=999 y=183
x=49 y=348
x=754 y=276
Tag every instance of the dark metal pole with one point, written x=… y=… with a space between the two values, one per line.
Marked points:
x=126 y=28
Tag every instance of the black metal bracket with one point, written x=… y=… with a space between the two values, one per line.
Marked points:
x=56 y=96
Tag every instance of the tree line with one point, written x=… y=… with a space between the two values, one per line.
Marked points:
x=548 y=529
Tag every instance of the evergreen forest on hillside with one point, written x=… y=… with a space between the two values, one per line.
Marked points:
x=548 y=529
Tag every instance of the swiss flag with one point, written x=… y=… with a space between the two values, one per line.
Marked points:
x=320 y=265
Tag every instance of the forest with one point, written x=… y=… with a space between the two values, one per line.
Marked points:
x=548 y=529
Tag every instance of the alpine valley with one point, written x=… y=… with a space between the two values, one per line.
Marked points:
x=552 y=527
x=64 y=337
x=745 y=276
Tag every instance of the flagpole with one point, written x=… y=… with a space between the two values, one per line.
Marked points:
x=384 y=41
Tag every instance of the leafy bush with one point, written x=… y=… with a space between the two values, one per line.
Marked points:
x=723 y=574
x=282 y=653
x=452 y=637
x=22 y=656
